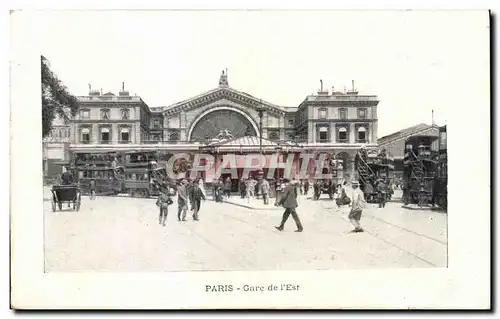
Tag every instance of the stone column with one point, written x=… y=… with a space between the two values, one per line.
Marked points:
x=352 y=133
x=312 y=132
x=137 y=133
x=333 y=133
x=95 y=134
x=374 y=132
x=115 y=134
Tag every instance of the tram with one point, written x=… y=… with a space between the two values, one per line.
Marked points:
x=420 y=167
x=372 y=167
x=441 y=181
x=100 y=167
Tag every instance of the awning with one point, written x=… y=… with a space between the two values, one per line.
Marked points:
x=323 y=129
x=85 y=131
x=124 y=130
x=104 y=130
x=361 y=129
x=342 y=129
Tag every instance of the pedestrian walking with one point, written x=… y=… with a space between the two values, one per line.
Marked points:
x=242 y=188
x=317 y=190
x=306 y=187
x=289 y=202
x=92 y=189
x=163 y=202
x=219 y=188
x=250 y=189
x=278 y=187
x=382 y=193
x=182 y=201
x=265 y=191
x=358 y=203
x=197 y=197
x=201 y=185
x=227 y=187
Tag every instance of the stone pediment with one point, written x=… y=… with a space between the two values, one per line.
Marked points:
x=221 y=93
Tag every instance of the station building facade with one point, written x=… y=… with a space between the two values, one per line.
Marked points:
x=227 y=120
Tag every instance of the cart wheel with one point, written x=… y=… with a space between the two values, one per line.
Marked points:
x=53 y=206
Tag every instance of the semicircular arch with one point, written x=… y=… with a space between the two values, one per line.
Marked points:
x=209 y=123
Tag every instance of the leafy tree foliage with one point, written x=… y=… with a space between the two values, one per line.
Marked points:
x=56 y=100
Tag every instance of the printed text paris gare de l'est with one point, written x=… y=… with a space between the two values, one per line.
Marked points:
x=251 y=288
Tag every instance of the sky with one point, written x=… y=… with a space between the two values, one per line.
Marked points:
x=415 y=62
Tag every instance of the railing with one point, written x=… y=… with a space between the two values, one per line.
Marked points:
x=124 y=142
x=108 y=98
x=164 y=142
x=343 y=97
x=104 y=142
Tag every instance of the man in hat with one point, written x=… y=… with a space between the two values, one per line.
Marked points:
x=182 y=201
x=163 y=202
x=358 y=203
x=197 y=195
x=67 y=177
x=289 y=202
x=382 y=193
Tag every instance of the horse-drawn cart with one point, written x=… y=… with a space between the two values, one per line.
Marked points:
x=69 y=194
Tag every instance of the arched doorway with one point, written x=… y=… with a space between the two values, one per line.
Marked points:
x=211 y=123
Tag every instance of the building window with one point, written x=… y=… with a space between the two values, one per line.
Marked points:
x=361 y=134
x=105 y=135
x=125 y=114
x=361 y=113
x=105 y=114
x=343 y=114
x=291 y=137
x=322 y=114
x=85 y=114
x=273 y=135
x=156 y=124
x=342 y=134
x=125 y=135
x=323 y=134
x=85 y=136
x=290 y=122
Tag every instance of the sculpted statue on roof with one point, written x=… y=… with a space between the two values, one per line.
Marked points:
x=223 y=79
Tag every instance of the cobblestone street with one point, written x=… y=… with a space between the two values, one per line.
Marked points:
x=122 y=234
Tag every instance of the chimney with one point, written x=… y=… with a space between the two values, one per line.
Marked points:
x=321 y=91
x=123 y=92
x=353 y=91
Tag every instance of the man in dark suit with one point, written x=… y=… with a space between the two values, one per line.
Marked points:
x=289 y=202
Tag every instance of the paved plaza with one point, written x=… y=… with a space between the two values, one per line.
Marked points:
x=122 y=234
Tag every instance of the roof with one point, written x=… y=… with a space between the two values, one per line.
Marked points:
x=405 y=133
x=224 y=90
x=416 y=138
x=246 y=141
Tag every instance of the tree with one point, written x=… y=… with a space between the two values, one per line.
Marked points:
x=56 y=100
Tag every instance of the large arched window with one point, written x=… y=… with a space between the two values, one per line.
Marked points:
x=342 y=134
x=85 y=135
x=222 y=121
x=361 y=134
